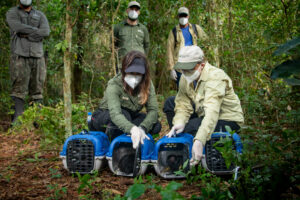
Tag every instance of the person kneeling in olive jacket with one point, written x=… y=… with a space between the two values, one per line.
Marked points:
x=125 y=96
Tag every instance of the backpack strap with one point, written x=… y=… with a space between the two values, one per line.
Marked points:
x=175 y=33
x=175 y=36
x=195 y=29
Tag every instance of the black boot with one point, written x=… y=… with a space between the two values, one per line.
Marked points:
x=19 y=108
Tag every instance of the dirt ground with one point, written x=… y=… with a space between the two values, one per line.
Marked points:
x=27 y=172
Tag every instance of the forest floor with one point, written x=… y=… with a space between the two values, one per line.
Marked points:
x=28 y=172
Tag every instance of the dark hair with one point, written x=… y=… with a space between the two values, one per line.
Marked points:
x=143 y=89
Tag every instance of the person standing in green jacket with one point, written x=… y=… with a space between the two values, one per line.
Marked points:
x=28 y=28
x=130 y=34
x=125 y=96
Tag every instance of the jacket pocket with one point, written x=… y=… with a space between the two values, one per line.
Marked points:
x=123 y=36
x=140 y=37
x=42 y=70
x=35 y=21
x=14 y=68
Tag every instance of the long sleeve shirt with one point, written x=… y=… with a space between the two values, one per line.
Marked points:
x=115 y=98
x=214 y=99
x=27 y=31
x=173 y=49
x=131 y=37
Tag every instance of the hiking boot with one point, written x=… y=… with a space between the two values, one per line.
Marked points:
x=19 y=108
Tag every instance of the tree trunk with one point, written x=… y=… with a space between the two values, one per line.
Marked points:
x=77 y=71
x=113 y=50
x=214 y=32
x=230 y=31
x=67 y=73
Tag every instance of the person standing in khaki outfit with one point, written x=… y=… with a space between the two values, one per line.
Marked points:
x=28 y=28
x=184 y=34
x=205 y=102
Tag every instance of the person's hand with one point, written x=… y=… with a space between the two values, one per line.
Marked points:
x=173 y=74
x=137 y=136
x=197 y=152
x=22 y=35
x=177 y=128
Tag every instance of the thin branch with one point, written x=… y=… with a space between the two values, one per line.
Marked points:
x=77 y=14
x=113 y=39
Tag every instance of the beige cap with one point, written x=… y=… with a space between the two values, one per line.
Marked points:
x=183 y=10
x=133 y=3
x=188 y=57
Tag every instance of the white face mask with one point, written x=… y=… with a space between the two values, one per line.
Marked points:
x=192 y=77
x=183 y=20
x=133 y=15
x=133 y=80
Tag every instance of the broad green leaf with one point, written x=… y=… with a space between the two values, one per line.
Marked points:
x=286 y=69
x=173 y=186
x=169 y=194
x=185 y=164
x=287 y=46
x=135 y=191
x=292 y=81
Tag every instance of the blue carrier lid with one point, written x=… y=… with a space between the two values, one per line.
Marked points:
x=182 y=138
x=146 y=151
x=99 y=139
x=236 y=138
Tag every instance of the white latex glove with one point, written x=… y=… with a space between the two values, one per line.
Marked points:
x=173 y=74
x=137 y=136
x=197 y=152
x=143 y=136
x=177 y=128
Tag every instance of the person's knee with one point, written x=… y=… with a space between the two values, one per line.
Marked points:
x=127 y=115
x=169 y=104
x=156 y=128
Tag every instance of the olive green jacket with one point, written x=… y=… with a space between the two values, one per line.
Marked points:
x=115 y=98
x=214 y=99
x=173 y=50
x=128 y=38
x=27 y=31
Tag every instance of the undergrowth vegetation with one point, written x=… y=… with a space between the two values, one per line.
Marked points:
x=269 y=164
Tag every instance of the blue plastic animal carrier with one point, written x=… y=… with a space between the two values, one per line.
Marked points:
x=85 y=152
x=122 y=157
x=213 y=160
x=170 y=154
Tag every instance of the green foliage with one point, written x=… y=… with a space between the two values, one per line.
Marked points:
x=58 y=192
x=286 y=69
x=86 y=180
x=289 y=69
x=135 y=191
x=139 y=187
x=224 y=146
x=35 y=159
x=289 y=45
x=169 y=191
x=54 y=173
x=50 y=122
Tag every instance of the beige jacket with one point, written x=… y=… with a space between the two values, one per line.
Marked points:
x=172 y=49
x=214 y=98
